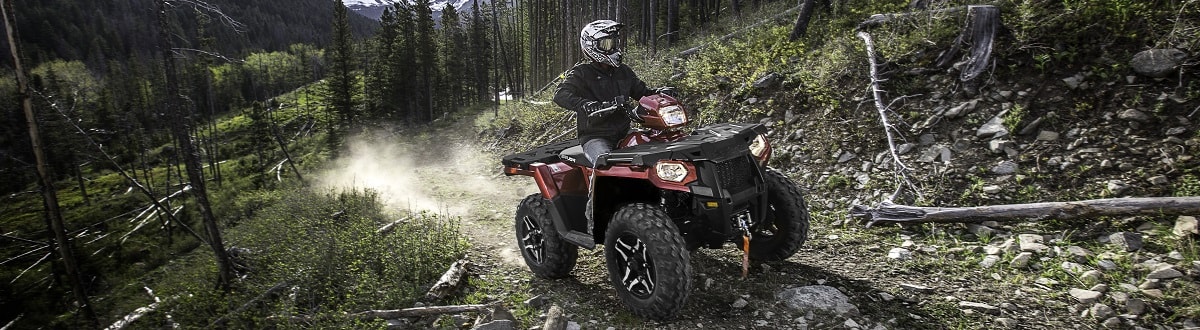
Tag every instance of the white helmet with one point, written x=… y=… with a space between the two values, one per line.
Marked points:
x=602 y=42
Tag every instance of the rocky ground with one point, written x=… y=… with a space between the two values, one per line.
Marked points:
x=1012 y=140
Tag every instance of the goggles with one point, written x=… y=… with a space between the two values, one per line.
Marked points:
x=609 y=45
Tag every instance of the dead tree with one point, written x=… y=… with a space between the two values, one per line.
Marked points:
x=806 y=12
x=179 y=127
x=449 y=282
x=1154 y=206
x=52 y=213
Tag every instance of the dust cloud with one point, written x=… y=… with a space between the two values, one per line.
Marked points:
x=442 y=177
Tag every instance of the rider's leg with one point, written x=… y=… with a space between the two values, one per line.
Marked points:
x=595 y=147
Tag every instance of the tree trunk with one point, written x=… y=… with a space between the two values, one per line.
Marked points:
x=672 y=22
x=1153 y=206
x=806 y=12
x=179 y=128
x=45 y=182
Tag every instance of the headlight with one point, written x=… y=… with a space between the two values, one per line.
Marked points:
x=673 y=115
x=758 y=147
x=671 y=171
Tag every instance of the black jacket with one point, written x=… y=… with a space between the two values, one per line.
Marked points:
x=595 y=82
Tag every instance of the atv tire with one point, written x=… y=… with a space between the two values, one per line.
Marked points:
x=785 y=228
x=546 y=253
x=648 y=261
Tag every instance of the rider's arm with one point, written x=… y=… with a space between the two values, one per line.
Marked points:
x=567 y=95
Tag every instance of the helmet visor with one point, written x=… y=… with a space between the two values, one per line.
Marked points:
x=609 y=45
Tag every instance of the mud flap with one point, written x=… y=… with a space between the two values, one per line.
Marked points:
x=568 y=228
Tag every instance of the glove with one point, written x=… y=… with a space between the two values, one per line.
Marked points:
x=593 y=108
x=668 y=91
x=634 y=114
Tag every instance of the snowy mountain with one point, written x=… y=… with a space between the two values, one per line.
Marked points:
x=374 y=8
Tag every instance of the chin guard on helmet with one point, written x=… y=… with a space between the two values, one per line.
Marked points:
x=601 y=41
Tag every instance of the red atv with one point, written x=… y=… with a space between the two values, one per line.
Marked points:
x=659 y=195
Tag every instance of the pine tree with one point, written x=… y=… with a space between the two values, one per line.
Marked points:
x=453 y=45
x=426 y=48
x=339 y=96
x=481 y=53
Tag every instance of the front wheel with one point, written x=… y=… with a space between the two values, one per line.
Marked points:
x=546 y=253
x=785 y=228
x=648 y=262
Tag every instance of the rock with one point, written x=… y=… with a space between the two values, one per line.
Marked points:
x=1079 y=254
x=1149 y=284
x=1074 y=82
x=1010 y=245
x=992 y=189
x=1126 y=241
x=992 y=250
x=933 y=153
x=1032 y=126
x=899 y=254
x=1128 y=287
x=927 y=139
x=1000 y=146
x=768 y=81
x=1073 y=268
x=818 y=297
x=1117 y=187
x=1135 y=306
x=1005 y=167
x=1021 y=261
x=917 y=288
x=537 y=302
x=496 y=325
x=1007 y=322
x=1176 y=131
x=1153 y=293
x=962 y=109
x=1046 y=281
x=740 y=303
x=989 y=261
x=1101 y=311
x=846 y=156
x=1157 y=63
x=994 y=128
x=1111 y=323
x=886 y=296
x=1101 y=288
x=979 y=307
x=1164 y=272
x=1085 y=296
x=1106 y=264
x=905 y=148
x=572 y=325
x=980 y=230
x=850 y=324
x=1048 y=136
x=1175 y=255
x=1032 y=243
x=1092 y=277
x=1134 y=115
x=1184 y=226
x=1158 y=180
x=1118 y=297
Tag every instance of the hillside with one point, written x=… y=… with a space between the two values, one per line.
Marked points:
x=100 y=31
x=1063 y=112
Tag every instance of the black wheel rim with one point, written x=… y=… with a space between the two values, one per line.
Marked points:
x=635 y=267
x=532 y=242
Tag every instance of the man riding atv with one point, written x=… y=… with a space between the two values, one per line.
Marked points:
x=650 y=196
x=601 y=84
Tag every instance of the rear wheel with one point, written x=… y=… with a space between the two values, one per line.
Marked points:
x=546 y=253
x=785 y=228
x=648 y=262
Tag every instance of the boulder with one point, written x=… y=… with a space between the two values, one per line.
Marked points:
x=1184 y=226
x=817 y=297
x=1157 y=63
x=1127 y=241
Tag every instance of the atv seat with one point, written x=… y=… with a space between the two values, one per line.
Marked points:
x=575 y=155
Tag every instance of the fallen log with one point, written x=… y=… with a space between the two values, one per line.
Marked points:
x=889 y=212
x=389 y=314
x=449 y=282
x=137 y=314
x=386 y=229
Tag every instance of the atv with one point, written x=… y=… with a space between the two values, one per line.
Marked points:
x=659 y=195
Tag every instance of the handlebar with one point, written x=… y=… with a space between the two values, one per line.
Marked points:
x=604 y=111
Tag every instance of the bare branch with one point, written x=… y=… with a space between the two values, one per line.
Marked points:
x=180 y=51
x=207 y=7
x=1155 y=206
x=901 y=170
